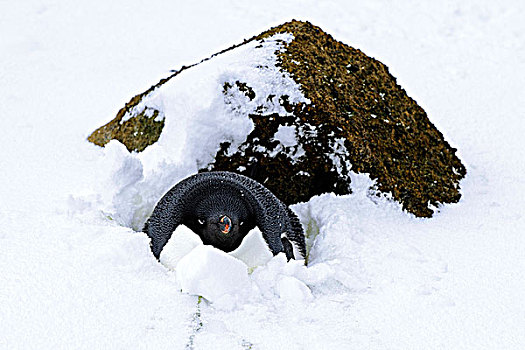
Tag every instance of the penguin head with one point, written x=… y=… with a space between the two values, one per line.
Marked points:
x=222 y=221
x=222 y=230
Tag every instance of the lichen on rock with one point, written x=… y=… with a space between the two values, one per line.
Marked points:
x=136 y=129
x=389 y=135
x=353 y=116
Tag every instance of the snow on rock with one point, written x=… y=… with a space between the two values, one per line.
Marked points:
x=286 y=135
x=221 y=117
x=199 y=115
x=293 y=103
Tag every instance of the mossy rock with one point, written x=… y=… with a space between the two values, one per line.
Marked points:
x=358 y=119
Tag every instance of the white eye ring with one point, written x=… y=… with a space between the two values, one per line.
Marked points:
x=200 y=221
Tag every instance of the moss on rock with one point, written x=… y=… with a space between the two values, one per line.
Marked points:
x=389 y=134
x=136 y=133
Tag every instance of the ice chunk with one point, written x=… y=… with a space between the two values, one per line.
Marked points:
x=213 y=274
x=253 y=250
x=180 y=244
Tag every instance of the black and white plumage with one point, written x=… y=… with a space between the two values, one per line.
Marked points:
x=222 y=207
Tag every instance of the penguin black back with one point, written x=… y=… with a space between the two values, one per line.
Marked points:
x=222 y=207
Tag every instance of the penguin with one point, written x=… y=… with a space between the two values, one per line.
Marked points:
x=221 y=207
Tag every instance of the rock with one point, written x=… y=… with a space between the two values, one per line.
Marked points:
x=137 y=133
x=353 y=117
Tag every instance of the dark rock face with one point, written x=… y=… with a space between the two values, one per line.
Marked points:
x=359 y=119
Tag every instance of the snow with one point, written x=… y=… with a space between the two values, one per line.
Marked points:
x=218 y=116
x=253 y=250
x=286 y=135
x=181 y=243
x=209 y=272
x=75 y=272
x=288 y=144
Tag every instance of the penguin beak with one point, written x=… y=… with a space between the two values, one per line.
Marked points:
x=225 y=224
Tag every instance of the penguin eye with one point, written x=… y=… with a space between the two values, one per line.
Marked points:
x=200 y=221
x=241 y=223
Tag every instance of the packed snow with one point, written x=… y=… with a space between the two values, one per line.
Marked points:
x=76 y=272
x=202 y=114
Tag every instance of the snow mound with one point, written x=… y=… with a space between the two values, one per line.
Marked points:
x=224 y=280
x=209 y=272
x=293 y=290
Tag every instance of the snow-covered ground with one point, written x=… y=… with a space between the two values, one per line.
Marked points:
x=73 y=276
